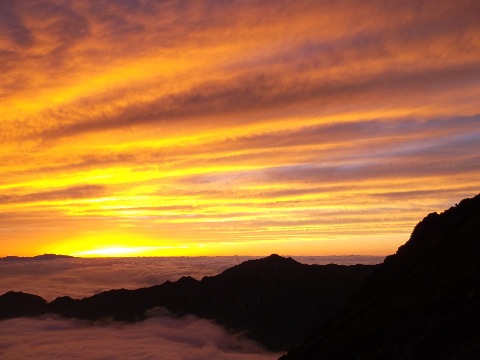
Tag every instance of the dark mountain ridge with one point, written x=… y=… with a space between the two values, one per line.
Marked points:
x=421 y=303
x=275 y=301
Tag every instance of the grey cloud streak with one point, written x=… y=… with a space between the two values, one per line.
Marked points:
x=335 y=140
x=71 y=193
x=12 y=25
x=406 y=159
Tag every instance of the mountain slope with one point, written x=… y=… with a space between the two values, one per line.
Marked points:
x=275 y=301
x=421 y=303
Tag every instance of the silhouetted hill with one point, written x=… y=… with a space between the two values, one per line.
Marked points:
x=421 y=303
x=276 y=301
x=36 y=257
x=16 y=304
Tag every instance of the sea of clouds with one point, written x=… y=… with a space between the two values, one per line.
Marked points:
x=81 y=277
x=159 y=337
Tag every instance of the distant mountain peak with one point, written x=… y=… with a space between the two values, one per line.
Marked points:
x=265 y=266
x=36 y=257
x=275 y=258
x=52 y=256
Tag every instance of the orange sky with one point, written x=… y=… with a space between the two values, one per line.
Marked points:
x=233 y=127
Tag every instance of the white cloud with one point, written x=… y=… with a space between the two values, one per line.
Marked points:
x=157 y=338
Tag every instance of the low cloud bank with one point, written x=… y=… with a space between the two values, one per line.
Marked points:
x=79 y=278
x=163 y=338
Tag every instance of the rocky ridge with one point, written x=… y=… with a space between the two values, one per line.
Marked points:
x=421 y=303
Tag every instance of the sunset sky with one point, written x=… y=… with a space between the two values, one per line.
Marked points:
x=233 y=127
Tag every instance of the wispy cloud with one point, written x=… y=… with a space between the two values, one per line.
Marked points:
x=75 y=192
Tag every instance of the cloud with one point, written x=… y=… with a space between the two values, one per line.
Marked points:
x=12 y=25
x=165 y=338
x=75 y=192
x=249 y=93
x=313 y=72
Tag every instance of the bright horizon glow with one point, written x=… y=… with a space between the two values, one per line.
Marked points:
x=234 y=128
x=245 y=248
x=116 y=251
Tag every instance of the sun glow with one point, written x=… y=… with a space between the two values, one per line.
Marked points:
x=115 y=251
x=117 y=243
x=124 y=246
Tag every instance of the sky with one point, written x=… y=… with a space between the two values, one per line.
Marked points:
x=224 y=127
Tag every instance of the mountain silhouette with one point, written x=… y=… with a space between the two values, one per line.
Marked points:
x=16 y=304
x=275 y=300
x=36 y=257
x=421 y=303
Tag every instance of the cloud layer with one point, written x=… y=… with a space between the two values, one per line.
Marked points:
x=80 y=278
x=156 y=338
x=239 y=127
